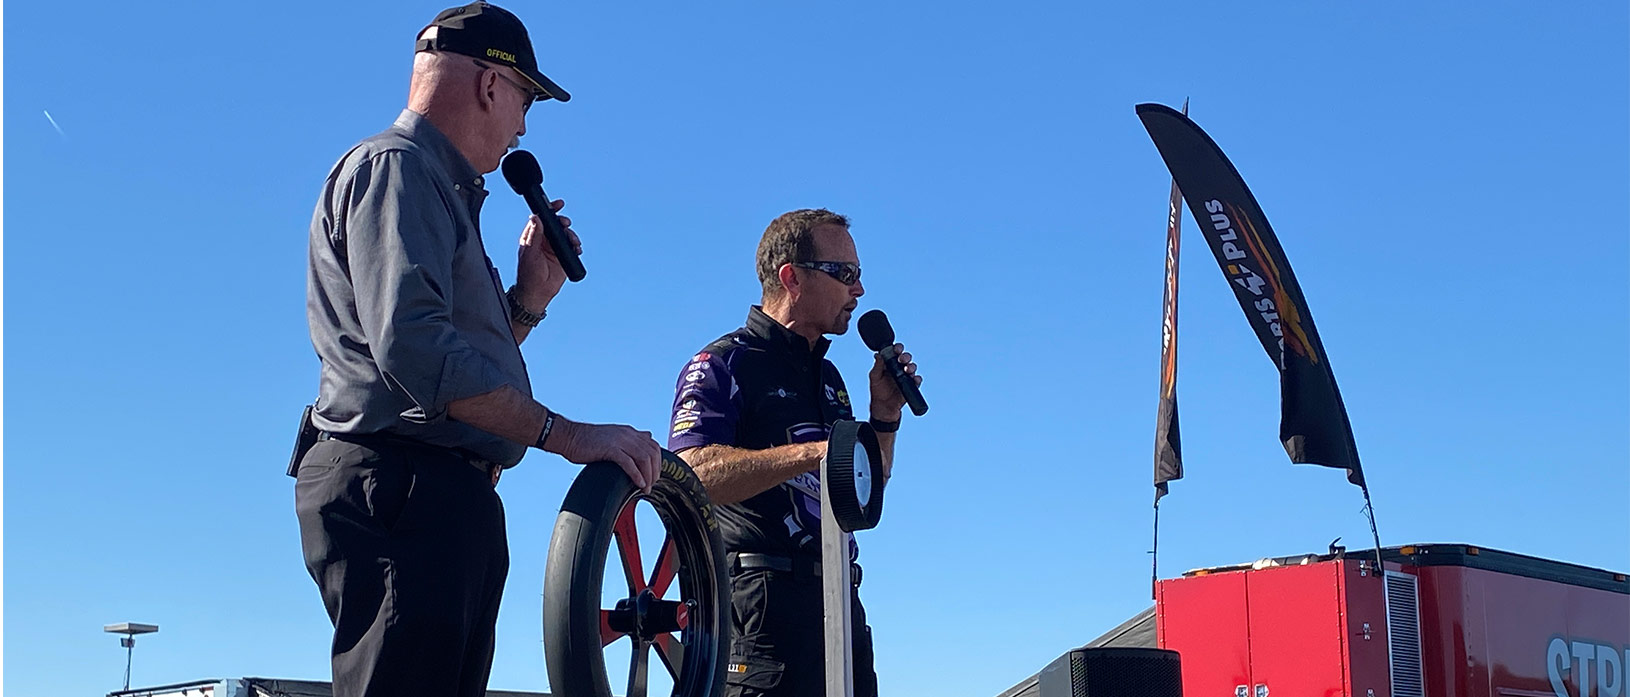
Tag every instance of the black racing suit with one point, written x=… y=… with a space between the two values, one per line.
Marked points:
x=759 y=387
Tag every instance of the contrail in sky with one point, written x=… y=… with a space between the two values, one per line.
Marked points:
x=54 y=123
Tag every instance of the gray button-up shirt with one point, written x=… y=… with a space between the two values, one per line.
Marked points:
x=407 y=312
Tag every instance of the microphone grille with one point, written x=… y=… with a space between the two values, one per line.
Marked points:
x=522 y=172
x=876 y=331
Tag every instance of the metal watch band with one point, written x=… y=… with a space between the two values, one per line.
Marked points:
x=519 y=313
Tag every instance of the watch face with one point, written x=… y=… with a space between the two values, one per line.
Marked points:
x=863 y=475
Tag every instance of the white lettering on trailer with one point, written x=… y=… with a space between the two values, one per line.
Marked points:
x=1613 y=674
x=1584 y=653
x=1561 y=655
x=1557 y=663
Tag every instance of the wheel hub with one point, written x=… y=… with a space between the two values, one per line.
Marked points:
x=645 y=615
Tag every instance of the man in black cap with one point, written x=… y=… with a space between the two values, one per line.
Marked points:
x=424 y=398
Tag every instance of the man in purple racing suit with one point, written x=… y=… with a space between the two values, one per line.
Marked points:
x=751 y=415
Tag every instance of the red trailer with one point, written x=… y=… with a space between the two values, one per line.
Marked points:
x=1440 y=620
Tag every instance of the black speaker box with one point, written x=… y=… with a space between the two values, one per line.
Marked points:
x=1113 y=672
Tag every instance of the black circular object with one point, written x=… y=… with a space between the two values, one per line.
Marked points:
x=688 y=627
x=852 y=475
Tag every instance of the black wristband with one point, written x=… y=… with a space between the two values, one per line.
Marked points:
x=885 y=426
x=548 y=426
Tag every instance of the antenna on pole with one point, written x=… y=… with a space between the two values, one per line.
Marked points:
x=128 y=641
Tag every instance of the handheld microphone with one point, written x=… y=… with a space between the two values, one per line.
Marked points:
x=878 y=334
x=524 y=175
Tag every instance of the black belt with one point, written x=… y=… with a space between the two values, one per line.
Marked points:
x=376 y=440
x=739 y=562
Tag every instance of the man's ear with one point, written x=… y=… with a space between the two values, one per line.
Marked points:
x=486 y=89
x=789 y=280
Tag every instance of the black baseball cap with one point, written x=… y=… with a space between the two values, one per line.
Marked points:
x=490 y=33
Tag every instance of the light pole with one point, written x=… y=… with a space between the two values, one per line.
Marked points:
x=130 y=630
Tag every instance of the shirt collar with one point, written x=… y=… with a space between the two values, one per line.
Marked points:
x=421 y=131
x=765 y=327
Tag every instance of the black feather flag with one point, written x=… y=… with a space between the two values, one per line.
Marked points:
x=1168 y=439
x=1313 y=421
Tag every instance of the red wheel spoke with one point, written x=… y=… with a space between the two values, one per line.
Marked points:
x=667 y=567
x=628 y=547
x=607 y=634
x=672 y=654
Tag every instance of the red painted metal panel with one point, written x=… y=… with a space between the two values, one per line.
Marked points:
x=1490 y=634
x=1296 y=641
x=1364 y=629
x=1516 y=631
x=1541 y=636
x=1299 y=630
x=1204 y=619
x=1443 y=636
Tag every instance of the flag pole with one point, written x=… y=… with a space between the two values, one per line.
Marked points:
x=1154 y=557
x=1380 y=564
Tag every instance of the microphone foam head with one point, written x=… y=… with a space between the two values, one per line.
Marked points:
x=876 y=331
x=522 y=172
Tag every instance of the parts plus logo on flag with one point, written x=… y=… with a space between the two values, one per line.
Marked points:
x=1275 y=312
x=1313 y=424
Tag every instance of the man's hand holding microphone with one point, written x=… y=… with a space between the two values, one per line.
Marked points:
x=894 y=382
x=546 y=259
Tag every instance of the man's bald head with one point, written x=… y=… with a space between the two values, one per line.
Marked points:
x=434 y=77
x=477 y=106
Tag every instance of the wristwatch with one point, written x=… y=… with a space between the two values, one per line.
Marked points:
x=519 y=313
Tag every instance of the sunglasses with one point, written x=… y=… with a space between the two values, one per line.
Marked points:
x=526 y=105
x=845 y=272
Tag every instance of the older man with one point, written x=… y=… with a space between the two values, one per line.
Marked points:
x=751 y=415
x=424 y=397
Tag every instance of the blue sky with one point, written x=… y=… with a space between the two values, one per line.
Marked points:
x=1450 y=182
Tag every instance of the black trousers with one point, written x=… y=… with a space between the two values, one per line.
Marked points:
x=777 y=646
x=407 y=545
